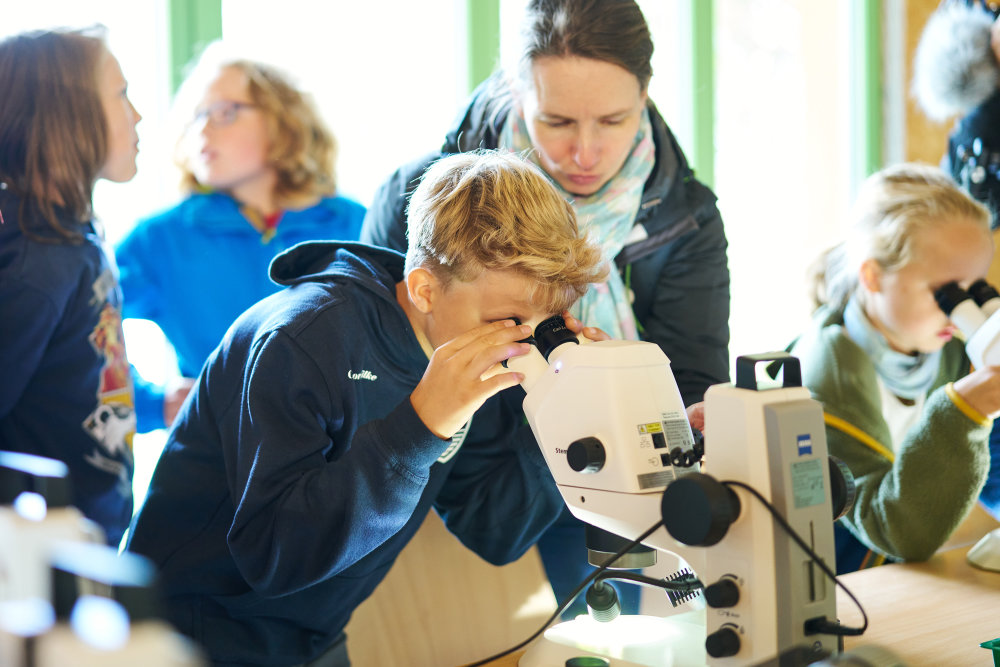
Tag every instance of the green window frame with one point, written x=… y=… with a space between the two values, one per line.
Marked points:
x=192 y=25
x=195 y=23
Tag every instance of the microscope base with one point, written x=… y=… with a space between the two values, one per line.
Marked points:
x=627 y=641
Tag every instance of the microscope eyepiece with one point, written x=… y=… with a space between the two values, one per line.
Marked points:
x=949 y=296
x=551 y=333
x=982 y=291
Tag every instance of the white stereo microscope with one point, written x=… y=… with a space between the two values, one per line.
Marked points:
x=972 y=312
x=66 y=598
x=610 y=421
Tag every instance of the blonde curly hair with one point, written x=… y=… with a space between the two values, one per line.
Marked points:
x=302 y=148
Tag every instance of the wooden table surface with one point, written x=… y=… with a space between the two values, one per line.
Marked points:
x=933 y=613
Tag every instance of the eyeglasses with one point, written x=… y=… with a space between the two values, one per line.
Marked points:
x=220 y=113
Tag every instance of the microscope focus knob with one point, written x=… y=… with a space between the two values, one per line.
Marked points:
x=843 y=488
x=586 y=455
x=697 y=510
x=723 y=593
x=722 y=643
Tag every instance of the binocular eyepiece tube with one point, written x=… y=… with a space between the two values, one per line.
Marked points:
x=968 y=309
x=973 y=311
x=550 y=334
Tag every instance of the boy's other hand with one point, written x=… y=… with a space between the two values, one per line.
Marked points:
x=576 y=326
x=696 y=415
x=462 y=374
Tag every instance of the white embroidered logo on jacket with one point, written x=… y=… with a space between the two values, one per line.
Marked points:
x=362 y=375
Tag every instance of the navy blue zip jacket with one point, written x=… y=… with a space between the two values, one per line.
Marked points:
x=65 y=390
x=299 y=470
x=676 y=267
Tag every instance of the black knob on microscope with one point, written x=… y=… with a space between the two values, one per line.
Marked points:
x=677 y=457
x=722 y=643
x=697 y=509
x=843 y=488
x=586 y=455
x=723 y=593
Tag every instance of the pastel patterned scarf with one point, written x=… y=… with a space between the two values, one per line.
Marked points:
x=607 y=216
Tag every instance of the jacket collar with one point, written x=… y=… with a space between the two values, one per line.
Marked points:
x=220 y=212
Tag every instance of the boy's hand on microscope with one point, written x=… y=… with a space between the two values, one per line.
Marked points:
x=696 y=415
x=576 y=326
x=981 y=390
x=462 y=374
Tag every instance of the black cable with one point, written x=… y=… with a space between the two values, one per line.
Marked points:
x=572 y=596
x=686 y=584
x=682 y=586
x=814 y=625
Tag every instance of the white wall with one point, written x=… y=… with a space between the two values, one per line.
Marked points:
x=782 y=156
x=387 y=75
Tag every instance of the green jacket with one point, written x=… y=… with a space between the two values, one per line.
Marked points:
x=911 y=495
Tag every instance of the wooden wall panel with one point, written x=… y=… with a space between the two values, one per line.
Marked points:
x=926 y=140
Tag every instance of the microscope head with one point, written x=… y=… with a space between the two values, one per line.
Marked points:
x=607 y=416
x=974 y=312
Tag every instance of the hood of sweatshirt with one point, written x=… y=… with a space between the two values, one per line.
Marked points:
x=322 y=261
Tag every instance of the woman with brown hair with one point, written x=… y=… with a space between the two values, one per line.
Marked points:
x=65 y=122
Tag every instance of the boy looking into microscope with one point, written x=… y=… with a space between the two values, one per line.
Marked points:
x=319 y=435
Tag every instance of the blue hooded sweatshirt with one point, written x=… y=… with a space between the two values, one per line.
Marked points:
x=298 y=469
x=194 y=268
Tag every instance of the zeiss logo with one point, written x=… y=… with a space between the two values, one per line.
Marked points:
x=805 y=443
x=362 y=375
